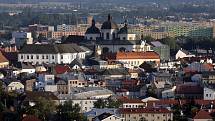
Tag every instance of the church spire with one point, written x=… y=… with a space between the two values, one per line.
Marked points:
x=93 y=22
x=109 y=17
x=126 y=23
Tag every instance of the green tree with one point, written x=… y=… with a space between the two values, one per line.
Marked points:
x=147 y=38
x=108 y=103
x=69 y=112
x=100 y=104
x=43 y=108
x=171 y=42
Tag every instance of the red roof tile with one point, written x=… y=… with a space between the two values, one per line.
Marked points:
x=3 y=58
x=60 y=69
x=143 y=110
x=203 y=115
x=31 y=118
x=189 y=89
x=131 y=55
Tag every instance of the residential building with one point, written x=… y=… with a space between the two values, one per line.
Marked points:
x=148 y=114
x=22 y=67
x=107 y=117
x=209 y=94
x=21 y=38
x=62 y=87
x=85 y=104
x=96 y=112
x=15 y=86
x=182 y=54
x=39 y=27
x=131 y=103
x=111 y=74
x=133 y=59
x=3 y=61
x=29 y=85
x=45 y=53
x=208 y=77
x=189 y=91
x=60 y=34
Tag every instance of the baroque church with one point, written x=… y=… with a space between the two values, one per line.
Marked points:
x=112 y=39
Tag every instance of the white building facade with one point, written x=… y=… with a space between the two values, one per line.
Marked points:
x=39 y=54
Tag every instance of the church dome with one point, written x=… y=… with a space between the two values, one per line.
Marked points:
x=125 y=30
x=109 y=24
x=93 y=29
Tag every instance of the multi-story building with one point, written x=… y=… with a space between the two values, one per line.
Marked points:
x=188 y=29
x=38 y=27
x=133 y=59
x=146 y=114
x=45 y=53
x=69 y=28
x=66 y=28
x=59 y=34
x=21 y=38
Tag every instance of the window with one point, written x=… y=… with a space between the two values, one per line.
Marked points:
x=27 y=56
x=37 y=56
x=114 y=35
x=107 y=36
x=53 y=57
x=43 y=57
x=91 y=38
x=61 y=56
x=47 y=57
x=21 y=56
x=32 y=57
x=206 y=95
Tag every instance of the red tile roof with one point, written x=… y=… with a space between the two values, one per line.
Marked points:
x=203 y=115
x=131 y=55
x=143 y=110
x=3 y=58
x=204 y=102
x=189 y=89
x=60 y=69
x=31 y=118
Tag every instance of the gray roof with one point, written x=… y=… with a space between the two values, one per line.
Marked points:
x=88 y=92
x=96 y=111
x=24 y=65
x=115 y=72
x=93 y=30
x=157 y=44
x=76 y=61
x=50 y=48
x=115 y=42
